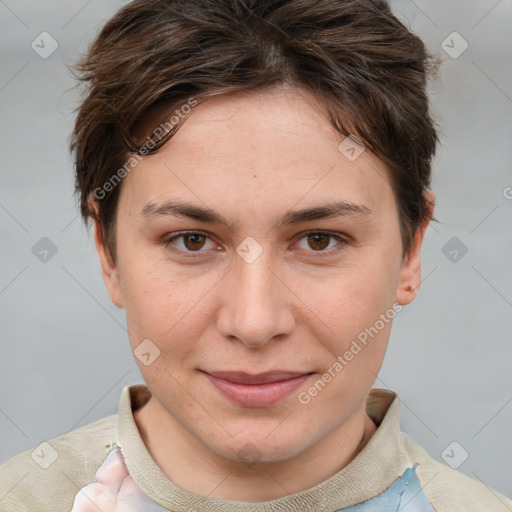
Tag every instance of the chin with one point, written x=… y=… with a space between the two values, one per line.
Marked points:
x=252 y=450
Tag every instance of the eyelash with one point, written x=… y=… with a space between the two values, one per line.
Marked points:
x=167 y=242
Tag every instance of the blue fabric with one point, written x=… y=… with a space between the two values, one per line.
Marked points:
x=404 y=494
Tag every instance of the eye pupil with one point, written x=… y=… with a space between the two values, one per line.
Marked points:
x=316 y=239
x=194 y=236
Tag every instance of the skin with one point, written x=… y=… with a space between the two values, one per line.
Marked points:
x=251 y=157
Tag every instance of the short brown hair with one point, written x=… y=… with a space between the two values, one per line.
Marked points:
x=360 y=61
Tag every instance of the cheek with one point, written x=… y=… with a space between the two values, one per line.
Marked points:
x=164 y=306
x=357 y=311
x=353 y=297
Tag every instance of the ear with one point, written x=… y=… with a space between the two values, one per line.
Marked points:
x=410 y=274
x=109 y=268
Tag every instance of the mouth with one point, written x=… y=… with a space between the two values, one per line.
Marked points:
x=260 y=390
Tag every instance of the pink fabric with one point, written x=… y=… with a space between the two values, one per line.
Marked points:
x=114 y=490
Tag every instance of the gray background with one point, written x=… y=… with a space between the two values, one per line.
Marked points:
x=64 y=349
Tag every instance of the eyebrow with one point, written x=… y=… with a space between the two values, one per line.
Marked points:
x=184 y=209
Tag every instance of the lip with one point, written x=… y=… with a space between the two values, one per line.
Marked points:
x=261 y=390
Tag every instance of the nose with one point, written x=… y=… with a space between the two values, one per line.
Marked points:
x=258 y=305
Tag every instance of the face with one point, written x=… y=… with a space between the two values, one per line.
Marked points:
x=251 y=244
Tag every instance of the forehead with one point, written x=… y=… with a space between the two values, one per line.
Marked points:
x=260 y=148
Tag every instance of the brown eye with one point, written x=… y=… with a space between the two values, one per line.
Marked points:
x=194 y=241
x=188 y=242
x=322 y=242
x=318 y=241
